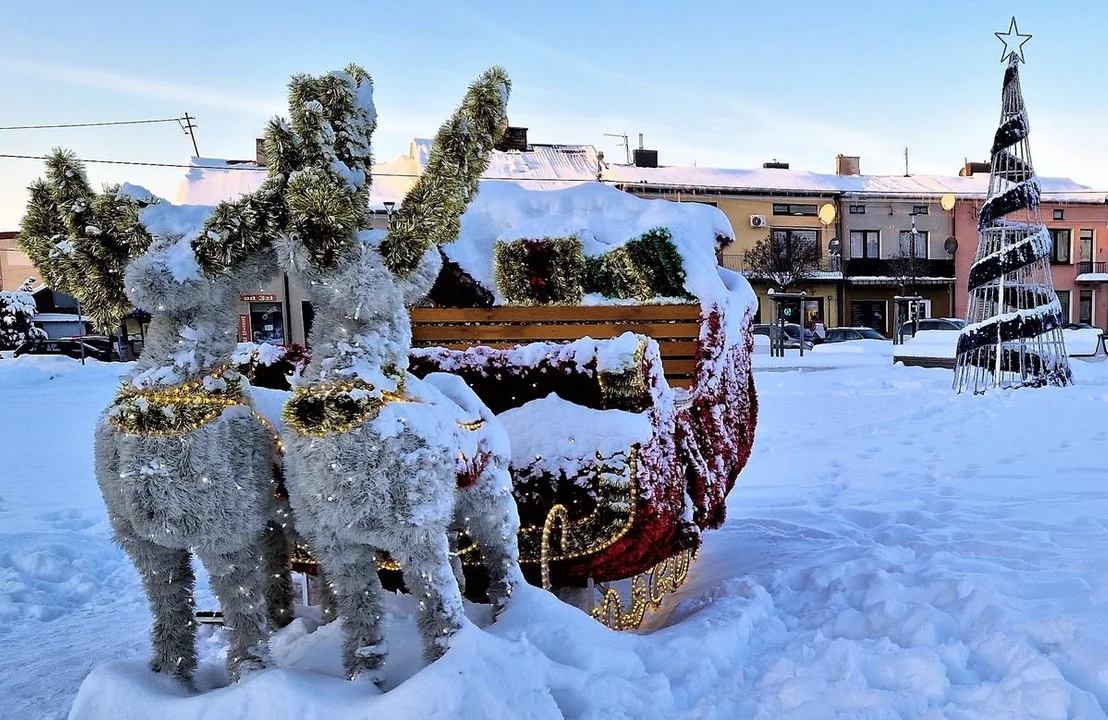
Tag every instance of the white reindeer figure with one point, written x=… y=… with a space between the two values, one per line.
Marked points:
x=183 y=463
x=373 y=455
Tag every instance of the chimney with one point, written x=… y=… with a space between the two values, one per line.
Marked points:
x=775 y=165
x=848 y=165
x=259 y=152
x=972 y=168
x=514 y=138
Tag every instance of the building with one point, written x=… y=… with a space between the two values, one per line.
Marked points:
x=869 y=253
x=15 y=266
x=279 y=312
x=1077 y=220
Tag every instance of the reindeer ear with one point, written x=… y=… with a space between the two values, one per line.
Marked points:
x=431 y=212
x=82 y=240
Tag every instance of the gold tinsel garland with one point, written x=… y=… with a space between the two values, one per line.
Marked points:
x=333 y=408
x=647 y=592
x=176 y=409
x=613 y=515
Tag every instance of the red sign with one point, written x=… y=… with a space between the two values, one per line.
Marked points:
x=244 y=328
x=259 y=297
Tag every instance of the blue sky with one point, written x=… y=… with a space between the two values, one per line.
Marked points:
x=715 y=82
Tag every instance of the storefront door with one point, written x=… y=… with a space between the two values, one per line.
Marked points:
x=267 y=323
x=869 y=313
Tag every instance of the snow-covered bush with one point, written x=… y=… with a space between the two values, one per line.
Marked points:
x=17 y=309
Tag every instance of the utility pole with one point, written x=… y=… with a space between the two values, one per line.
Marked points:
x=189 y=128
x=905 y=162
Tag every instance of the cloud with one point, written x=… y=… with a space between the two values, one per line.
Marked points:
x=147 y=87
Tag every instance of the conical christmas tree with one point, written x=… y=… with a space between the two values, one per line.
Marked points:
x=1014 y=332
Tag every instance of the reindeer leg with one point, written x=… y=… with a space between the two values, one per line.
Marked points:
x=492 y=522
x=236 y=578
x=169 y=583
x=276 y=578
x=351 y=573
x=427 y=573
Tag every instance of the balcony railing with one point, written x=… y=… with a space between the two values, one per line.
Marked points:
x=1087 y=268
x=829 y=264
x=873 y=267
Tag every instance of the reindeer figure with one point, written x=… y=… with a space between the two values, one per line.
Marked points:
x=182 y=462
x=379 y=462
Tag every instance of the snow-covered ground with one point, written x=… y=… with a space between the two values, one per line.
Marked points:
x=892 y=550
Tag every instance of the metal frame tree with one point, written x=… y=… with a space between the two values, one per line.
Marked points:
x=1014 y=333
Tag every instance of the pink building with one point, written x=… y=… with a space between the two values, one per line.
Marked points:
x=1078 y=225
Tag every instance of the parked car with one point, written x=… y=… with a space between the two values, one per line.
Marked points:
x=98 y=347
x=843 y=334
x=795 y=336
x=932 y=324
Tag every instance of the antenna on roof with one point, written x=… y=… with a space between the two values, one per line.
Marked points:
x=905 y=162
x=626 y=145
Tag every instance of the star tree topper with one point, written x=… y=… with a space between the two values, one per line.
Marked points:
x=1013 y=39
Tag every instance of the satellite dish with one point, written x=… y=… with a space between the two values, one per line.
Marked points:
x=947 y=203
x=833 y=246
x=827 y=213
x=951 y=245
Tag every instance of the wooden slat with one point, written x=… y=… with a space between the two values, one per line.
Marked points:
x=462 y=333
x=556 y=313
x=679 y=349
x=670 y=349
x=680 y=382
x=678 y=367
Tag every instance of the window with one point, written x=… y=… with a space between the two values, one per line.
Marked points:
x=793 y=209
x=1085 y=245
x=786 y=241
x=865 y=244
x=1064 y=301
x=913 y=244
x=857 y=209
x=1060 y=247
x=1085 y=307
x=920 y=209
x=1059 y=214
x=267 y=323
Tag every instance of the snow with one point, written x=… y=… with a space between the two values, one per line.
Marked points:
x=908 y=564
x=602 y=218
x=550 y=434
x=976 y=185
x=944 y=343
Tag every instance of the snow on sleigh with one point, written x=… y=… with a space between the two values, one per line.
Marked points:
x=599 y=329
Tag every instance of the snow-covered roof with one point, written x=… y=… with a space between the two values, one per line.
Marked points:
x=210 y=181
x=803 y=181
x=541 y=166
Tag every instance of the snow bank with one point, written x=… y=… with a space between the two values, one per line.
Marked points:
x=550 y=434
x=918 y=570
x=930 y=344
x=1084 y=341
x=602 y=218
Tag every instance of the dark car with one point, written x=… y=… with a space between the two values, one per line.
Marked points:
x=794 y=335
x=932 y=324
x=97 y=347
x=843 y=334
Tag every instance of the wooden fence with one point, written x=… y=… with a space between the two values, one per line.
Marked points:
x=675 y=327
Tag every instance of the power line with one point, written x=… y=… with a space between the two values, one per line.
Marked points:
x=90 y=124
x=629 y=184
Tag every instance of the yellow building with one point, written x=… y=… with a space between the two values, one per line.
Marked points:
x=15 y=266
x=756 y=215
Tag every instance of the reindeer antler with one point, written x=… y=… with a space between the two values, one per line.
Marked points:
x=318 y=177
x=82 y=240
x=432 y=210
